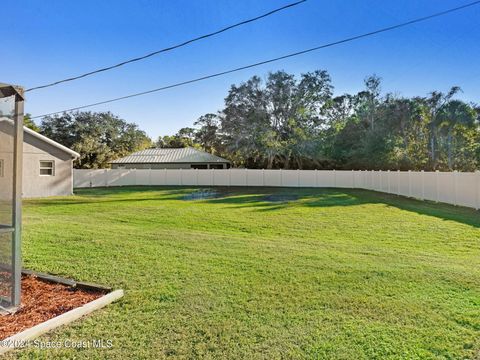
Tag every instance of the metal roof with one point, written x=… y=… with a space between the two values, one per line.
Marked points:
x=45 y=139
x=163 y=156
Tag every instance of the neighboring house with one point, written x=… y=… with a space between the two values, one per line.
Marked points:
x=47 y=165
x=182 y=158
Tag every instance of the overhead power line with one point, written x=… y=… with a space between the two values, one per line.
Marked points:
x=143 y=57
x=353 y=38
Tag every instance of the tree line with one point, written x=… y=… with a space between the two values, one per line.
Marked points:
x=290 y=122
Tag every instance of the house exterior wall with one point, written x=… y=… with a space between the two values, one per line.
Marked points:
x=36 y=150
x=164 y=166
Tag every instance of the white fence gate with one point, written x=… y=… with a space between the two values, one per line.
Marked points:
x=449 y=187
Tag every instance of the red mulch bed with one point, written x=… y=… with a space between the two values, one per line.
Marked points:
x=41 y=301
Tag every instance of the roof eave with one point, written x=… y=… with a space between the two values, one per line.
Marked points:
x=74 y=154
x=45 y=139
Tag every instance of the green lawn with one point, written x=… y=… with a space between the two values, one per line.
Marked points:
x=333 y=275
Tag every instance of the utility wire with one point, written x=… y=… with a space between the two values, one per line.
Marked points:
x=353 y=38
x=168 y=48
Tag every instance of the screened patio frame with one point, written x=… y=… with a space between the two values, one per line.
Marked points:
x=13 y=230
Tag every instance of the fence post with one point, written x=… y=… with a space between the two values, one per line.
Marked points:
x=388 y=182
x=478 y=189
x=380 y=179
x=455 y=187
x=398 y=182
x=437 y=185
x=106 y=177
x=409 y=183
x=423 y=185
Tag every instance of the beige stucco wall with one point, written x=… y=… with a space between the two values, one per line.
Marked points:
x=35 y=150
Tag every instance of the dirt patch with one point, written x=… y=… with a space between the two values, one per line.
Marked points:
x=281 y=198
x=41 y=301
x=203 y=194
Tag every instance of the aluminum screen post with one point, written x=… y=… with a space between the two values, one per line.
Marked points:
x=17 y=199
x=14 y=149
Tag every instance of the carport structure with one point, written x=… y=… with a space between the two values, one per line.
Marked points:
x=11 y=156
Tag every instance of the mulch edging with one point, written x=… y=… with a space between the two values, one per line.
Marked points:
x=49 y=302
x=41 y=301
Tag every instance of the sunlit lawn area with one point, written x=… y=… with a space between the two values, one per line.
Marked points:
x=335 y=274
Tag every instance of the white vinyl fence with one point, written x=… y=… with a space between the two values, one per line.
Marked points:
x=457 y=188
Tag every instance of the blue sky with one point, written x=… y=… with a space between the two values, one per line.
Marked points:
x=43 y=41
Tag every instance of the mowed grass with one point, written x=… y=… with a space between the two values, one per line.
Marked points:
x=336 y=274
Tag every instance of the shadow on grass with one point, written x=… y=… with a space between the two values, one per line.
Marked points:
x=440 y=210
x=265 y=199
x=106 y=195
x=331 y=197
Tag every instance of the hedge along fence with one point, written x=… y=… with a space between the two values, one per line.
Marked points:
x=448 y=187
